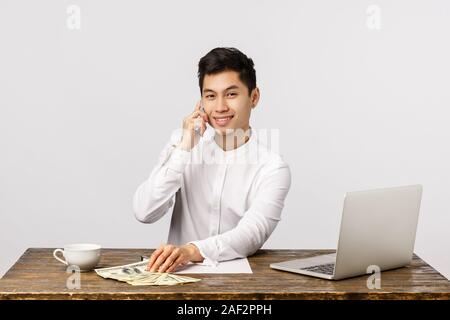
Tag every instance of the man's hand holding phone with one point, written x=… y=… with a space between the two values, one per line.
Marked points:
x=194 y=126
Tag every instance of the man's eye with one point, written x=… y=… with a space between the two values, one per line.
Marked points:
x=209 y=96
x=232 y=94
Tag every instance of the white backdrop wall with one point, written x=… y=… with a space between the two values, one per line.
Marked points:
x=85 y=112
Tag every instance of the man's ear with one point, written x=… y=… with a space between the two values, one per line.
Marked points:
x=255 y=97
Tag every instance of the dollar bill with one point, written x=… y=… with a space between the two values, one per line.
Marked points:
x=136 y=275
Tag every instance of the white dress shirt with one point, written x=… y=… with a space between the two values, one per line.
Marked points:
x=227 y=203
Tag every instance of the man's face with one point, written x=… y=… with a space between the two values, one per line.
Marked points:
x=226 y=101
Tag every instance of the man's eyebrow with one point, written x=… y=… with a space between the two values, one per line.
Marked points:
x=229 y=88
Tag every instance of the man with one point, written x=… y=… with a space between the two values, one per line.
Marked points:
x=226 y=208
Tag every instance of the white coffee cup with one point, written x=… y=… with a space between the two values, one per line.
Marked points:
x=84 y=255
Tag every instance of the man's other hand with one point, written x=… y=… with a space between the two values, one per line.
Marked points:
x=169 y=257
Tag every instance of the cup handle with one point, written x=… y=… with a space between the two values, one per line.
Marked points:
x=59 y=259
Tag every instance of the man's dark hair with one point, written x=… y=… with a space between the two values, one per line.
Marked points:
x=225 y=59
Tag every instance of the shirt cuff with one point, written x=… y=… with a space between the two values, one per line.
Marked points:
x=178 y=159
x=209 y=259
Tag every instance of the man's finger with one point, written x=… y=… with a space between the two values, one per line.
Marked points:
x=204 y=115
x=180 y=261
x=175 y=254
x=157 y=263
x=162 y=257
x=195 y=114
x=156 y=253
x=154 y=256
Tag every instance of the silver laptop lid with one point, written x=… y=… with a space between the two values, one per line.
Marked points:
x=378 y=227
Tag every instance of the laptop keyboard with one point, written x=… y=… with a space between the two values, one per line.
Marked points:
x=323 y=268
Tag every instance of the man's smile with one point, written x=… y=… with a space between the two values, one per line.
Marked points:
x=223 y=120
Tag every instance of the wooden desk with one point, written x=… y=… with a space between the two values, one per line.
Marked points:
x=37 y=275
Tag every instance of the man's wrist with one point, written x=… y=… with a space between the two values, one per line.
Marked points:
x=195 y=253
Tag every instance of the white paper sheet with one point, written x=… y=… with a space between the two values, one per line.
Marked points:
x=230 y=266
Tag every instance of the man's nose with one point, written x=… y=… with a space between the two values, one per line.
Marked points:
x=221 y=105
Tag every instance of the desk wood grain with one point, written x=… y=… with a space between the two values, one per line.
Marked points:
x=37 y=275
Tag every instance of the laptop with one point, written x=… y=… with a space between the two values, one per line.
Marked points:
x=378 y=231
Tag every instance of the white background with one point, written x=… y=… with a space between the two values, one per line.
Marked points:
x=85 y=113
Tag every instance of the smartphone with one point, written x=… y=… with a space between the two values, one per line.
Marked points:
x=198 y=123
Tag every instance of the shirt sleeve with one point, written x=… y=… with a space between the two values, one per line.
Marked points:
x=156 y=195
x=257 y=224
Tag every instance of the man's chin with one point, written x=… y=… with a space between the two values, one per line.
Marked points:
x=224 y=130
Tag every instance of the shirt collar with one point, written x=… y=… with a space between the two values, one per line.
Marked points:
x=234 y=154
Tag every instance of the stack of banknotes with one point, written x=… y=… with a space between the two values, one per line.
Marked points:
x=136 y=275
